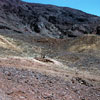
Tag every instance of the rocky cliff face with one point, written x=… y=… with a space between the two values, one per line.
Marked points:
x=45 y=20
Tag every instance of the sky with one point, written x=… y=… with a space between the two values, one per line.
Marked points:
x=89 y=6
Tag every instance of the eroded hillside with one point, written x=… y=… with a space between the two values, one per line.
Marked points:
x=45 y=20
x=48 y=52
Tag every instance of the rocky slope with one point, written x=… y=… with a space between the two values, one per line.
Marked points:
x=31 y=79
x=48 y=52
x=31 y=30
x=45 y=20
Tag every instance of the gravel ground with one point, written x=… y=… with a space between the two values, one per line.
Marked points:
x=28 y=84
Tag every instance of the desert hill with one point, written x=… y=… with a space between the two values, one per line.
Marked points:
x=48 y=52
x=45 y=20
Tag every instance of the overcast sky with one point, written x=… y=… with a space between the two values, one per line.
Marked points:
x=89 y=6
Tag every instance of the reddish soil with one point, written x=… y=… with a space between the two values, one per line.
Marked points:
x=26 y=79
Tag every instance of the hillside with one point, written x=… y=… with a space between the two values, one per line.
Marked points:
x=45 y=20
x=48 y=52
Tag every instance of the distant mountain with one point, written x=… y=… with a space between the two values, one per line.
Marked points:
x=45 y=20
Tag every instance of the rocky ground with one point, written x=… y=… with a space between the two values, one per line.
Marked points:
x=35 y=68
x=36 y=83
x=48 y=52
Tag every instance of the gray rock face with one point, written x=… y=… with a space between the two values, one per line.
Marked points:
x=45 y=20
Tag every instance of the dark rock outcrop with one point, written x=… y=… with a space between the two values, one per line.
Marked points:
x=98 y=30
x=47 y=20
